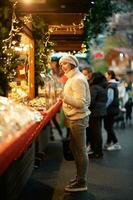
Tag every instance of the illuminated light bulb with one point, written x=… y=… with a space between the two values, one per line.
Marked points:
x=121 y=56
x=27 y=1
x=81 y=25
x=63 y=6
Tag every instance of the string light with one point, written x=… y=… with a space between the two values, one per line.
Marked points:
x=27 y=19
x=10 y=57
x=27 y=1
x=74 y=28
x=15 y=28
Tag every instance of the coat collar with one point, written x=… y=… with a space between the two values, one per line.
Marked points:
x=72 y=72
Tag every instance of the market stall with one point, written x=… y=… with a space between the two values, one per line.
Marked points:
x=24 y=114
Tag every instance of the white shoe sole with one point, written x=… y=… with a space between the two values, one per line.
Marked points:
x=67 y=189
x=113 y=149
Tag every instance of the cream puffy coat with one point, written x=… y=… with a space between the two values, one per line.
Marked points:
x=76 y=95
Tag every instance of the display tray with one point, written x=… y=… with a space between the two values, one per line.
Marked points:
x=12 y=150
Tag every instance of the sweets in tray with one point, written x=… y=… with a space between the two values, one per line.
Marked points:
x=14 y=117
x=38 y=103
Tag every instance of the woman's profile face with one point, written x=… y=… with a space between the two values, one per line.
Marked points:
x=66 y=67
x=86 y=74
x=108 y=77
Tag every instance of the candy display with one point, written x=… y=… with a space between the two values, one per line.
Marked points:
x=14 y=117
x=18 y=92
x=38 y=103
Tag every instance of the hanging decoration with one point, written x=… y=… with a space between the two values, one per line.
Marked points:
x=9 y=38
x=43 y=49
x=73 y=29
x=9 y=56
x=10 y=43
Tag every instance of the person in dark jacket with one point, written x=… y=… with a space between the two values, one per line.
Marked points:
x=98 y=90
x=112 y=111
x=129 y=106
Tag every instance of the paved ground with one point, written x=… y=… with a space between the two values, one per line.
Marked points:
x=110 y=178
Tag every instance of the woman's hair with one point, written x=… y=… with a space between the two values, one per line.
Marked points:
x=72 y=66
x=97 y=78
x=89 y=69
x=111 y=73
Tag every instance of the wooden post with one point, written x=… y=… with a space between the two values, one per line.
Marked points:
x=31 y=71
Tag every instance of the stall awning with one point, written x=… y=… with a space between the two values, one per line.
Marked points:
x=125 y=51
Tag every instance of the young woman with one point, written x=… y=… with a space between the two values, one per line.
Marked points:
x=76 y=100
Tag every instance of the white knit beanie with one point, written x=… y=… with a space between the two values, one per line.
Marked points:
x=69 y=59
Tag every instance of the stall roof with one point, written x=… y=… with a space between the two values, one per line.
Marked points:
x=123 y=50
x=65 y=18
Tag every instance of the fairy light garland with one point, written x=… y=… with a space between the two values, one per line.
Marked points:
x=71 y=28
x=11 y=41
x=27 y=19
x=9 y=56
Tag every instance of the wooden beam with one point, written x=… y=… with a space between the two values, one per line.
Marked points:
x=67 y=46
x=67 y=43
x=54 y=8
x=63 y=18
x=75 y=38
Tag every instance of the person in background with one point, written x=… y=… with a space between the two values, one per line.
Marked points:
x=57 y=75
x=112 y=110
x=98 y=91
x=122 y=93
x=129 y=106
x=76 y=101
x=87 y=71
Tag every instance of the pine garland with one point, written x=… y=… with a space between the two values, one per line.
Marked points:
x=43 y=47
x=9 y=39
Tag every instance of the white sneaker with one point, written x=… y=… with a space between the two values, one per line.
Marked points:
x=107 y=145
x=89 y=151
x=117 y=146
x=113 y=147
x=76 y=187
x=88 y=148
